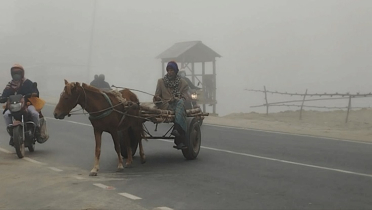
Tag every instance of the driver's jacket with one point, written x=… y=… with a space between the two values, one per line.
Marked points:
x=166 y=94
x=26 y=87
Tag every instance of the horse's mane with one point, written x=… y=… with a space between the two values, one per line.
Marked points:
x=91 y=88
x=117 y=94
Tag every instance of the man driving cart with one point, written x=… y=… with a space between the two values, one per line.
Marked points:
x=171 y=94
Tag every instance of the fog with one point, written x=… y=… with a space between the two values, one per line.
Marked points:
x=285 y=45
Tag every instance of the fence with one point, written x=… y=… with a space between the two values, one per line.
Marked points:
x=339 y=96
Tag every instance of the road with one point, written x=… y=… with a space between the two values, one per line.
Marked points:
x=236 y=169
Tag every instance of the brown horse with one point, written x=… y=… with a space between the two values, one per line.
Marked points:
x=109 y=112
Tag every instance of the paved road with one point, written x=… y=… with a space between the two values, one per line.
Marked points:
x=236 y=169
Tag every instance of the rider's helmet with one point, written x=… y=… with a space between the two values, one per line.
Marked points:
x=17 y=69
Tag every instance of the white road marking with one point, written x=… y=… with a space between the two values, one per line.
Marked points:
x=273 y=159
x=279 y=160
x=133 y=197
x=289 y=162
x=69 y=121
x=162 y=208
x=33 y=161
x=292 y=134
x=5 y=151
x=79 y=177
x=55 y=169
x=251 y=129
x=104 y=186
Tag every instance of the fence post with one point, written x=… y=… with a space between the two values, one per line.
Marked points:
x=303 y=101
x=267 y=105
x=348 y=109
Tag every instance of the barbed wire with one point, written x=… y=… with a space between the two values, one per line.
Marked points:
x=314 y=94
x=295 y=101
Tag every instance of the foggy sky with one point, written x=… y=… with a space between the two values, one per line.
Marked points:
x=286 y=45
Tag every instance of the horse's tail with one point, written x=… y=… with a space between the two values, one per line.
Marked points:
x=141 y=131
x=143 y=134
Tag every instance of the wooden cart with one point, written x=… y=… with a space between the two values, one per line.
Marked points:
x=193 y=134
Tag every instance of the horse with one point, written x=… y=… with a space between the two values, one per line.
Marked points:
x=109 y=111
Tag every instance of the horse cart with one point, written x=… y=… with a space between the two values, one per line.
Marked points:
x=192 y=139
x=120 y=113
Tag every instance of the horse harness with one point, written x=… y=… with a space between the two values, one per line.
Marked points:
x=108 y=111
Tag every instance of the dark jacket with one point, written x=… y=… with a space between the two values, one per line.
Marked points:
x=27 y=87
x=100 y=84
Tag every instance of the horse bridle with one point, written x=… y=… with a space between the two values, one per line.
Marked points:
x=77 y=100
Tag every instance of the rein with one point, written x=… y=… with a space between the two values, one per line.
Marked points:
x=162 y=101
x=106 y=111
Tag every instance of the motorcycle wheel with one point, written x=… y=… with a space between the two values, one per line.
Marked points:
x=31 y=148
x=18 y=141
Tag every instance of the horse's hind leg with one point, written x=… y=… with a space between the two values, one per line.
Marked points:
x=126 y=141
x=115 y=138
x=138 y=133
x=97 y=136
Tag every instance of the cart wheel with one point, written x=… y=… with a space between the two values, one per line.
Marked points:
x=193 y=139
x=123 y=148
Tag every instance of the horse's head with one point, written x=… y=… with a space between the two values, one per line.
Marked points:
x=68 y=100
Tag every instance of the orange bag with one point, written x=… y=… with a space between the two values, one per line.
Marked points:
x=38 y=103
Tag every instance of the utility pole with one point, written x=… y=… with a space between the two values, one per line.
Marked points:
x=91 y=40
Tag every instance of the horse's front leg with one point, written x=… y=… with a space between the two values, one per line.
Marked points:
x=115 y=138
x=98 y=138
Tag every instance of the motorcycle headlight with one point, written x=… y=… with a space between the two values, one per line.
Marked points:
x=15 y=107
x=194 y=96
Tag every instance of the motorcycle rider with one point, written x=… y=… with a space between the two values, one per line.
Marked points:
x=182 y=74
x=192 y=90
x=20 y=85
x=100 y=83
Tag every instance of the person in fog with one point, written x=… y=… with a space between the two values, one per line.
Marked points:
x=20 y=85
x=171 y=93
x=95 y=81
x=100 y=83
x=191 y=85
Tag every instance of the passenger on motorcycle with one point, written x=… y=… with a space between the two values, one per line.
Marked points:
x=20 y=85
x=100 y=83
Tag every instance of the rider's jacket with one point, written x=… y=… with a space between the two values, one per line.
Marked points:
x=100 y=84
x=27 y=87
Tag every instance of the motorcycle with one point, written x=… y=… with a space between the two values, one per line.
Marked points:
x=191 y=103
x=23 y=129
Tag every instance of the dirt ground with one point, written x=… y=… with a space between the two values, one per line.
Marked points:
x=318 y=123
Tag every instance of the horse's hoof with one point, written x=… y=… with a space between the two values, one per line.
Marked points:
x=93 y=174
x=128 y=165
x=143 y=161
x=119 y=169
